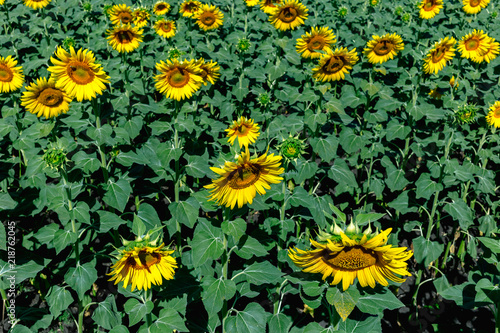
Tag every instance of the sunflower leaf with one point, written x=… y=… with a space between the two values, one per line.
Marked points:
x=377 y=302
x=58 y=299
x=168 y=320
x=137 y=310
x=344 y=302
x=251 y=320
x=426 y=251
x=426 y=187
x=185 y=212
x=214 y=291
x=279 y=323
x=82 y=277
x=117 y=194
x=106 y=313
x=261 y=273
x=207 y=243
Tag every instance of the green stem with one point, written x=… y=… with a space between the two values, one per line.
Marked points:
x=497 y=317
x=225 y=265
x=149 y=297
x=177 y=175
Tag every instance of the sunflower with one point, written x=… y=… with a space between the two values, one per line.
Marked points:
x=334 y=65
x=268 y=6
x=474 y=6
x=319 y=39
x=345 y=258
x=474 y=45
x=209 y=71
x=43 y=98
x=240 y=181
x=120 y=14
x=434 y=93
x=161 y=8
x=251 y=3
x=189 y=7
x=288 y=15
x=36 y=4
x=178 y=80
x=493 y=117
x=245 y=130
x=442 y=52
x=430 y=8
x=140 y=17
x=381 y=49
x=11 y=77
x=208 y=17
x=490 y=54
x=124 y=38
x=78 y=74
x=165 y=28
x=143 y=265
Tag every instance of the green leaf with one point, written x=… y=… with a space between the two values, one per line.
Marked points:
x=460 y=211
x=388 y=105
x=19 y=328
x=136 y=310
x=59 y=299
x=376 y=303
x=395 y=180
x=6 y=201
x=344 y=302
x=87 y=162
x=314 y=119
x=82 y=277
x=396 y=130
x=235 y=228
x=363 y=323
x=117 y=194
x=262 y=272
x=362 y=219
x=402 y=204
x=138 y=227
x=81 y=212
x=326 y=148
x=350 y=141
x=305 y=170
x=27 y=270
x=109 y=221
x=197 y=166
x=426 y=251
x=279 y=323
x=120 y=329
x=252 y=247
x=185 y=212
x=426 y=187
x=207 y=243
x=214 y=291
x=168 y=320
x=490 y=243
x=341 y=173
x=101 y=135
x=250 y=320
x=148 y=216
x=106 y=314
x=64 y=238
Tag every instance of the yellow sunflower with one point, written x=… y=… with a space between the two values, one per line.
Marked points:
x=474 y=45
x=430 y=8
x=442 y=52
x=345 y=258
x=334 y=65
x=161 y=8
x=381 y=49
x=178 y=80
x=165 y=28
x=140 y=17
x=490 y=54
x=44 y=99
x=11 y=77
x=120 y=14
x=288 y=15
x=36 y=4
x=78 y=74
x=189 y=8
x=245 y=130
x=493 y=117
x=240 y=182
x=474 y=6
x=209 y=71
x=251 y=3
x=142 y=266
x=319 y=39
x=268 y=6
x=208 y=17
x=124 y=38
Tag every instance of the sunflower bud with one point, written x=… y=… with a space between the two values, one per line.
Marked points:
x=374 y=3
x=68 y=42
x=55 y=158
x=243 y=45
x=466 y=113
x=174 y=53
x=342 y=12
x=264 y=99
x=406 y=17
x=494 y=14
x=368 y=231
x=292 y=148
x=454 y=82
x=398 y=11
x=107 y=9
x=87 y=6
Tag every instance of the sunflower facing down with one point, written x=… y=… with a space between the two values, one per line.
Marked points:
x=78 y=74
x=334 y=65
x=381 y=49
x=442 y=52
x=165 y=28
x=140 y=17
x=209 y=71
x=319 y=39
x=474 y=45
x=345 y=258
x=240 y=182
x=189 y=7
x=430 y=8
x=245 y=130
x=268 y=6
x=11 y=77
x=474 y=6
x=161 y=8
x=208 y=17
x=142 y=266
x=288 y=15
x=44 y=99
x=120 y=14
x=178 y=80
x=124 y=38
x=493 y=116
x=490 y=54
x=36 y=4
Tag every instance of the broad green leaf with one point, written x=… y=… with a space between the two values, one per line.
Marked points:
x=341 y=173
x=185 y=212
x=460 y=211
x=42 y=323
x=168 y=320
x=136 y=310
x=102 y=135
x=138 y=227
x=207 y=243
x=279 y=323
x=362 y=219
x=487 y=292
x=109 y=221
x=250 y=248
x=64 y=238
x=117 y=194
x=82 y=277
x=376 y=303
x=261 y=273
x=344 y=302
x=148 y=216
x=395 y=180
x=300 y=198
x=20 y=328
x=59 y=299
x=87 y=162
x=215 y=291
x=402 y=204
x=81 y=212
x=313 y=288
x=426 y=187
x=350 y=141
x=363 y=323
x=197 y=166
x=490 y=243
x=250 y=320
x=106 y=314
x=27 y=270
x=6 y=201
x=119 y=329
x=426 y=251
x=305 y=170
x=326 y=148
x=314 y=119
x=388 y=105
x=235 y=228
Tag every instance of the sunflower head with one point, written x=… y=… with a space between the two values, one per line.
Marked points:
x=493 y=116
x=288 y=15
x=209 y=71
x=43 y=98
x=313 y=43
x=333 y=65
x=381 y=49
x=178 y=80
x=11 y=76
x=342 y=11
x=292 y=148
x=161 y=8
x=140 y=17
x=124 y=38
x=466 y=113
x=208 y=17
x=165 y=28
x=189 y=8
x=36 y=4
x=430 y=8
x=374 y=3
x=454 y=82
x=120 y=14
x=243 y=45
x=243 y=129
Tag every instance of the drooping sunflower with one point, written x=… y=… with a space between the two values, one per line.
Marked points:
x=288 y=15
x=142 y=266
x=44 y=99
x=178 y=80
x=430 y=8
x=334 y=65
x=78 y=74
x=381 y=49
x=347 y=257
x=161 y=8
x=140 y=17
x=240 y=182
x=11 y=77
x=120 y=14
x=209 y=71
x=493 y=116
x=251 y=3
x=319 y=39
x=268 y=6
x=474 y=45
x=439 y=55
x=490 y=54
x=165 y=28
x=124 y=38
x=189 y=7
x=474 y=6
x=36 y=4
x=208 y=17
x=246 y=130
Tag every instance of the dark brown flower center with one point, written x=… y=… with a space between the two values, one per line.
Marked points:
x=161 y=7
x=6 y=74
x=429 y=5
x=334 y=64
x=80 y=73
x=167 y=27
x=208 y=18
x=146 y=260
x=191 y=7
x=472 y=44
x=316 y=43
x=352 y=258
x=474 y=3
x=125 y=17
x=287 y=14
x=178 y=77
x=124 y=36
x=244 y=176
x=51 y=97
x=438 y=54
x=496 y=113
x=383 y=47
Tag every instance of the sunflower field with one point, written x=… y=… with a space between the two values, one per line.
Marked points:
x=250 y=166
